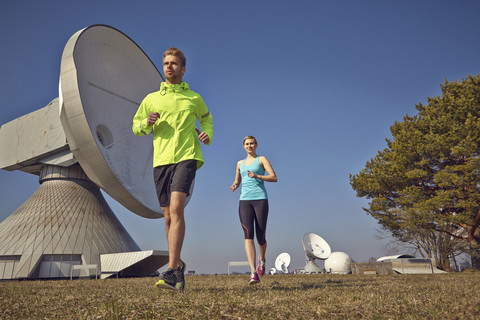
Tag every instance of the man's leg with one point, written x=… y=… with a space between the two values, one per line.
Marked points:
x=179 y=182
x=166 y=217
x=175 y=227
x=173 y=277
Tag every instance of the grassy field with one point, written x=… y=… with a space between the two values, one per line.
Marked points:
x=445 y=296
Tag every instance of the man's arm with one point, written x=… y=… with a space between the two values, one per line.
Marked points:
x=206 y=122
x=141 y=126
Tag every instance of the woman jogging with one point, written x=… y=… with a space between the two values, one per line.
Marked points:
x=253 y=207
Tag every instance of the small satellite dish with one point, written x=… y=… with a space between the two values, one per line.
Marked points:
x=104 y=76
x=282 y=262
x=315 y=248
x=338 y=262
x=272 y=271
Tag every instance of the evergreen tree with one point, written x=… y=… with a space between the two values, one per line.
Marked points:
x=428 y=176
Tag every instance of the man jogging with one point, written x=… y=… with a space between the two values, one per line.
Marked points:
x=171 y=113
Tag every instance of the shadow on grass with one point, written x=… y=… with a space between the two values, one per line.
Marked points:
x=282 y=287
x=311 y=286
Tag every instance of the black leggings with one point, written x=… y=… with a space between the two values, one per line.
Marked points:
x=254 y=212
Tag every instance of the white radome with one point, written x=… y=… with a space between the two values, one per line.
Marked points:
x=338 y=262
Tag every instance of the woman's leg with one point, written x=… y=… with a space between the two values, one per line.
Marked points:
x=261 y=217
x=250 y=251
x=262 y=248
x=247 y=217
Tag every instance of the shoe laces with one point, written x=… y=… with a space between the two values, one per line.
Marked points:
x=168 y=271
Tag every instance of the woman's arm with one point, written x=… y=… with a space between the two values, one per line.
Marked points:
x=238 y=177
x=272 y=177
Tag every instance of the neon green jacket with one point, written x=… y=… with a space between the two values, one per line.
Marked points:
x=174 y=135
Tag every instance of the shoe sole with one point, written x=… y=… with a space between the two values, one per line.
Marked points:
x=161 y=284
x=180 y=286
x=253 y=282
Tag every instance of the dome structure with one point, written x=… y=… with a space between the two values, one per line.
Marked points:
x=338 y=262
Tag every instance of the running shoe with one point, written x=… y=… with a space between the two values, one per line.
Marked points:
x=168 y=281
x=261 y=267
x=180 y=274
x=254 y=278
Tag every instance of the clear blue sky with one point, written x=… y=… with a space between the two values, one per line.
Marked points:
x=319 y=83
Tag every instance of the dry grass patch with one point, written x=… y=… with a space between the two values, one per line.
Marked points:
x=447 y=296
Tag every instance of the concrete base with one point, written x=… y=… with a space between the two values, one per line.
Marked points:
x=65 y=222
x=312 y=267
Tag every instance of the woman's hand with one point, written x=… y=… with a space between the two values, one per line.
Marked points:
x=252 y=175
x=233 y=187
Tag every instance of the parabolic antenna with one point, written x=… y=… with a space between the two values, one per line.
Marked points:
x=282 y=262
x=338 y=262
x=86 y=146
x=104 y=76
x=315 y=248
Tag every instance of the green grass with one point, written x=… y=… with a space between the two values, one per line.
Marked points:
x=445 y=296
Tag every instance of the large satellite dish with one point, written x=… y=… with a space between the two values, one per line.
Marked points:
x=315 y=248
x=87 y=145
x=282 y=262
x=104 y=76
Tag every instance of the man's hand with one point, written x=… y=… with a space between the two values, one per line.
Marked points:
x=202 y=136
x=152 y=118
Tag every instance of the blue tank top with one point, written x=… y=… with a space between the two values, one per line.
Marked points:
x=252 y=189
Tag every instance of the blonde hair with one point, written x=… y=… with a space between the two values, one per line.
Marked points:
x=177 y=53
x=250 y=137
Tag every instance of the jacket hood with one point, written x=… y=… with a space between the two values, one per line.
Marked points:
x=174 y=87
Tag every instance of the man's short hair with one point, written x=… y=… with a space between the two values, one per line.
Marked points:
x=177 y=53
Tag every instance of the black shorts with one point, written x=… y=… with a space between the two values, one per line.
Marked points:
x=174 y=177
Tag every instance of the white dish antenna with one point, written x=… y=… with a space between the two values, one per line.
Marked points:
x=315 y=248
x=104 y=76
x=282 y=262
